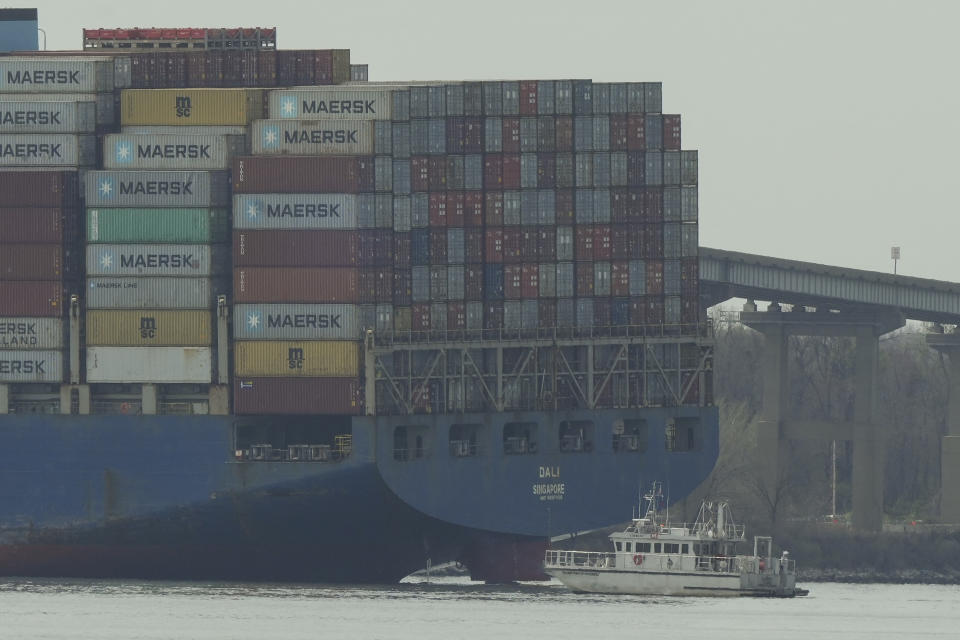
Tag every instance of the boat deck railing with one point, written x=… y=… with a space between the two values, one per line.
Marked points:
x=666 y=561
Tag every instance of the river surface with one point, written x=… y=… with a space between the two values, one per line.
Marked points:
x=454 y=608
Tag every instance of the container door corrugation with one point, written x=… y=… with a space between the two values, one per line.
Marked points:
x=296 y=322
x=152 y=293
x=186 y=260
x=292 y=284
x=31 y=366
x=48 y=150
x=50 y=116
x=312 y=137
x=216 y=107
x=181 y=225
x=156 y=189
x=297 y=359
x=170 y=152
x=168 y=365
x=369 y=103
x=297 y=396
x=31 y=333
x=32 y=298
x=295 y=211
x=62 y=75
x=148 y=327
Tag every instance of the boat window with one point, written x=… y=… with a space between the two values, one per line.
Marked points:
x=630 y=436
x=643 y=547
x=519 y=438
x=576 y=436
x=696 y=548
x=670 y=547
x=464 y=440
x=410 y=442
x=682 y=434
x=656 y=548
x=685 y=549
x=619 y=546
x=628 y=546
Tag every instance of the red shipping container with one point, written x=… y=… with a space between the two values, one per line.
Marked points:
x=511 y=135
x=438 y=209
x=473 y=135
x=401 y=250
x=530 y=284
x=31 y=262
x=473 y=282
x=456 y=316
x=39 y=189
x=300 y=248
x=565 y=206
x=302 y=174
x=636 y=134
x=420 y=317
x=456 y=134
x=473 y=245
x=296 y=284
x=402 y=286
x=511 y=171
x=297 y=396
x=583 y=243
x=322 y=66
x=620 y=278
x=493 y=316
x=564 y=133
x=547 y=243
x=512 y=245
x=37 y=226
x=266 y=68
x=493 y=171
x=438 y=246
x=31 y=298
x=655 y=277
x=528 y=97
x=547 y=313
x=419 y=173
x=654 y=313
x=493 y=208
x=618 y=132
x=455 y=209
x=671 y=132
x=376 y=247
x=286 y=68
x=494 y=245
x=528 y=244
x=513 y=281
x=376 y=285
x=473 y=209
x=653 y=241
x=546 y=170
x=437 y=173
x=584 y=273
x=689 y=278
x=602 y=242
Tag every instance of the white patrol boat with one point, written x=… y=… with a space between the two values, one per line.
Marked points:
x=653 y=557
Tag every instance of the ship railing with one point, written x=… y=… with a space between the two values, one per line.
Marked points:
x=265 y=452
x=122 y=407
x=598 y=559
x=34 y=406
x=410 y=453
x=464 y=449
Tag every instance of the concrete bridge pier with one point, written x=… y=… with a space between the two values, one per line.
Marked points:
x=778 y=425
x=949 y=345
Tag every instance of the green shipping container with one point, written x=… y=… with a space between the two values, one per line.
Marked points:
x=178 y=226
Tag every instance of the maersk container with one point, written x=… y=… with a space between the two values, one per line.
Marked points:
x=103 y=110
x=303 y=174
x=32 y=298
x=170 y=152
x=292 y=284
x=187 y=130
x=309 y=359
x=32 y=262
x=31 y=333
x=148 y=327
x=191 y=260
x=301 y=248
x=157 y=189
x=31 y=366
x=173 y=226
x=47 y=150
x=135 y=365
x=295 y=211
x=56 y=75
x=296 y=322
x=213 y=106
x=47 y=116
x=151 y=293
x=369 y=103
x=312 y=137
x=297 y=396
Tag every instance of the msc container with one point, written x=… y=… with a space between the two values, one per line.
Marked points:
x=290 y=396
x=303 y=174
x=369 y=103
x=296 y=322
x=157 y=225
x=148 y=327
x=31 y=333
x=31 y=298
x=103 y=102
x=47 y=116
x=133 y=365
x=47 y=150
x=36 y=226
x=155 y=260
x=295 y=211
x=298 y=249
x=32 y=262
x=312 y=137
x=217 y=107
x=34 y=74
x=204 y=152
x=151 y=293
x=315 y=359
x=31 y=366
x=156 y=189
x=291 y=284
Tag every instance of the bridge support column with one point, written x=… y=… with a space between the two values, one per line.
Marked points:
x=869 y=436
x=949 y=345
x=776 y=396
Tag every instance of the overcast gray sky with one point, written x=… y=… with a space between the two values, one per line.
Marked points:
x=828 y=130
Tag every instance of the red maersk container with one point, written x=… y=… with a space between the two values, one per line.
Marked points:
x=671 y=132
x=36 y=226
x=39 y=189
x=303 y=174
x=511 y=135
x=25 y=298
x=455 y=209
x=583 y=243
x=512 y=281
x=494 y=245
x=301 y=248
x=530 y=280
x=292 y=284
x=31 y=262
x=253 y=396
x=511 y=171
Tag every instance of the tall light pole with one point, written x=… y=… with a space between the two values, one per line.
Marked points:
x=894 y=255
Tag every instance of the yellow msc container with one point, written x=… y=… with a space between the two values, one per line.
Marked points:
x=313 y=359
x=217 y=107
x=143 y=328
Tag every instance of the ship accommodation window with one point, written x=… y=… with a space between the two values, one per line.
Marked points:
x=519 y=438
x=411 y=442
x=630 y=436
x=685 y=549
x=683 y=434
x=656 y=548
x=619 y=546
x=400 y=449
x=464 y=440
x=670 y=547
x=643 y=547
x=628 y=547
x=576 y=436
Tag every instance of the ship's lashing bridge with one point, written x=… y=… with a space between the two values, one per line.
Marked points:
x=833 y=301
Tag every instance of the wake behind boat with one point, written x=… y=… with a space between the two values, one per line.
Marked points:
x=653 y=557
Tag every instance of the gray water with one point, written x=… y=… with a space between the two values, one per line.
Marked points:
x=453 y=608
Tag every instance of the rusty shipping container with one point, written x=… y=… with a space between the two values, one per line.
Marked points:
x=148 y=327
x=31 y=366
x=313 y=137
x=31 y=333
x=37 y=226
x=306 y=248
x=31 y=298
x=311 y=359
x=308 y=396
x=303 y=174
x=292 y=284
x=156 y=188
x=217 y=107
x=33 y=262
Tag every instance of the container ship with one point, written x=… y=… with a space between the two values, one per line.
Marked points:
x=264 y=319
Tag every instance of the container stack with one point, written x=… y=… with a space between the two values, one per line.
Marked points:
x=157 y=224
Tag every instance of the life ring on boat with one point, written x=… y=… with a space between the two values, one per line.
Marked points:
x=638 y=559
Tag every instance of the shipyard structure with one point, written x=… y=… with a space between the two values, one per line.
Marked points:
x=261 y=318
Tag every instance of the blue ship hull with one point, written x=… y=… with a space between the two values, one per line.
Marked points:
x=164 y=497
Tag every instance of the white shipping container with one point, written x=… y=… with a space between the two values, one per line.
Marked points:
x=47 y=116
x=185 y=130
x=295 y=211
x=296 y=322
x=151 y=293
x=368 y=103
x=153 y=260
x=311 y=137
x=128 y=151
x=157 y=188
x=56 y=75
x=47 y=150
x=170 y=365
x=103 y=101
x=31 y=366
x=31 y=333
